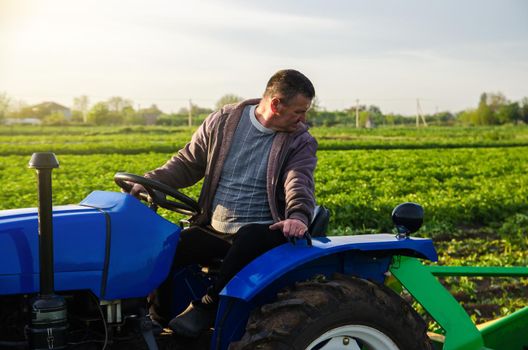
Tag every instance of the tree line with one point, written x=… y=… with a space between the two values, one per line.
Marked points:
x=492 y=109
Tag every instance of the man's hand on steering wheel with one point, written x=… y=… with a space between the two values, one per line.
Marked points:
x=136 y=190
x=157 y=193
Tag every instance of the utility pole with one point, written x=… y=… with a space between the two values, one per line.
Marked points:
x=419 y=113
x=190 y=112
x=357 y=113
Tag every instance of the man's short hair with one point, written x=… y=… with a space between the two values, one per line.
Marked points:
x=287 y=83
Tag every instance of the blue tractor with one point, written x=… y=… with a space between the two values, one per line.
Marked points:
x=79 y=276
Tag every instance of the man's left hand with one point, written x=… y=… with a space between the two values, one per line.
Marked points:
x=290 y=228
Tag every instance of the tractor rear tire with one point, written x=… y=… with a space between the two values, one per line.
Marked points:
x=337 y=313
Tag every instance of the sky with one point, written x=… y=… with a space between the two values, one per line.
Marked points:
x=167 y=52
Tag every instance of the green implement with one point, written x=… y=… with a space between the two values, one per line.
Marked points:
x=507 y=333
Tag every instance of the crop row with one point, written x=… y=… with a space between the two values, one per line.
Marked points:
x=154 y=139
x=482 y=132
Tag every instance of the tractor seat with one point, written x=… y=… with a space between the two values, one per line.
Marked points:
x=320 y=220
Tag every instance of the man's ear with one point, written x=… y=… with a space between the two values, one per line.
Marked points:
x=274 y=104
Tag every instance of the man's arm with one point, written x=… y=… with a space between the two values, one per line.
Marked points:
x=187 y=166
x=299 y=189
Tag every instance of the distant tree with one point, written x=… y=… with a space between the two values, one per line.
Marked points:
x=524 y=109
x=99 y=114
x=374 y=110
x=442 y=118
x=496 y=100
x=326 y=118
x=117 y=104
x=166 y=119
x=375 y=115
x=342 y=118
x=484 y=115
x=509 y=113
x=77 y=117
x=494 y=108
x=467 y=116
x=130 y=116
x=81 y=104
x=227 y=99
x=363 y=117
x=390 y=119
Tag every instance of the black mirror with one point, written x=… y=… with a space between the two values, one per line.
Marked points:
x=408 y=218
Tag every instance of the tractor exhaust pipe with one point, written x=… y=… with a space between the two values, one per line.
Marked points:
x=49 y=317
x=45 y=163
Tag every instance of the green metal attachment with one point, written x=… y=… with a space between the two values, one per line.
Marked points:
x=507 y=333
x=461 y=333
x=484 y=271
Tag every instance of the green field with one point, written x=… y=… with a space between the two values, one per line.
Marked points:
x=472 y=182
x=18 y=140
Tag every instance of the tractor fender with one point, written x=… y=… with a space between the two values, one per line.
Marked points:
x=365 y=256
x=268 y=267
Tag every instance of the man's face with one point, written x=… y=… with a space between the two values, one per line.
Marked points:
x=288 y=114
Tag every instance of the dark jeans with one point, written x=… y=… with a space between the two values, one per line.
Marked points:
x=198 y=246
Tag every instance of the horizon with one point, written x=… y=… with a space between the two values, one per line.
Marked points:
x=322 y=109
x=382 y=53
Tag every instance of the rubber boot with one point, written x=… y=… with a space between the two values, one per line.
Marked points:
x=197 y=318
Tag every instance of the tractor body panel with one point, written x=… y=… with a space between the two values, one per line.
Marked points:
x=111 y=244
x=141 y=245
x=79 y=249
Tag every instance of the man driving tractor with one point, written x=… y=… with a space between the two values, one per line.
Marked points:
x=257 y=160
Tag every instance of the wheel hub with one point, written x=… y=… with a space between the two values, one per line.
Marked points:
x=353 y=337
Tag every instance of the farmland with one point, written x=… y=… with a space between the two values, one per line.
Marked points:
x=135 y=140
x=462 y=176
x=472 y=182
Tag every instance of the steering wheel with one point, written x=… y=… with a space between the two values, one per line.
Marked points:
x=157 y=194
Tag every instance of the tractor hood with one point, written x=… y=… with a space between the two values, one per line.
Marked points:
x=110 y=243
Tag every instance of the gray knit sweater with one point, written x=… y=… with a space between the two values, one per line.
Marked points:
x=241 y=197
